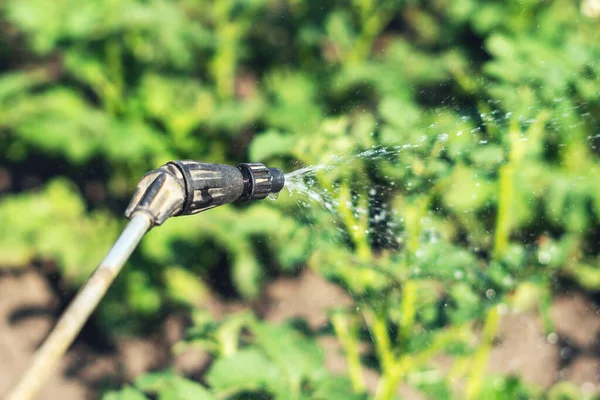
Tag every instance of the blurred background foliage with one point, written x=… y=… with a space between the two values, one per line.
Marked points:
x=490 y=201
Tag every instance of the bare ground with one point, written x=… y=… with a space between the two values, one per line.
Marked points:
x=27 y=312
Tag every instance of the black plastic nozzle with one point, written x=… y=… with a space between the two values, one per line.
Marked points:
x=278 y=180
x=260 y=181
x=189 y=187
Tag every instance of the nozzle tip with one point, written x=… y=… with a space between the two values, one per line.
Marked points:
x=278 y=180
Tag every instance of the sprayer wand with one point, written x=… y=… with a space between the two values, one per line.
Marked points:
x=176 y=188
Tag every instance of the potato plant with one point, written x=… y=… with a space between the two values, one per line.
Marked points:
x=475 y=191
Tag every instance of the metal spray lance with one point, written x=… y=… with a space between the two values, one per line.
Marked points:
x=177 y=188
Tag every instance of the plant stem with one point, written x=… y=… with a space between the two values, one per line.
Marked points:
x=409 y=299
x=356 y=227
x=378 y=328
x=506 y=192
x=414 y=212
x=387 y=387
x=346 y=329
x=114 y=90
x=392 y=370
x=506 y=181
x=503 y=218
x=482 y=354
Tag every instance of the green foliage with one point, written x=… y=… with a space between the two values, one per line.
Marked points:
x=37 y=225
x=279 y=362
x=166 y=386
x=476 y=188
x=172 y=387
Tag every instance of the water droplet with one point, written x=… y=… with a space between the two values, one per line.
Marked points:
x=552 y=338
x=273 y=196
x=490 y=293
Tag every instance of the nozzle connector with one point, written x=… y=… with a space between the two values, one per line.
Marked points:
x=257 y=181
x=189 y=187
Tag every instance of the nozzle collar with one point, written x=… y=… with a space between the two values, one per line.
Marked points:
x=260 y=181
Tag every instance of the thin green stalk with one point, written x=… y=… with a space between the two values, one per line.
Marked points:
x=413 y=215
x=346 y=329
x=388 y=384
x=392 y=370
x=114 y=90
x=503 y=218
x=545 y=304
x=356 y=226
x=229 y=32
x=506 y=181
x=506 y=191
x=480 y=359
x=379 y=332
x=409 y=311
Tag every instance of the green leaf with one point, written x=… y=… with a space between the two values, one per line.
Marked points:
x=142 y=296
x=169 y=386
x=15 y=83
x=185 y=287
x=154 y=381
x=467 y=191
x=271 y=143
x=180 y=103
x=184 y=389
x=399 y=113
x=245 y=370
x=127 y=393
x=293 y=353
x=335 y=388
x=564 y=391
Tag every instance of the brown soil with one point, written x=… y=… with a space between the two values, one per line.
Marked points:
x=27 y=312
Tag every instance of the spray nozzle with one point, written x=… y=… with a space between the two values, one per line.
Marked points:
x=176 y=188
x=190 y=187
